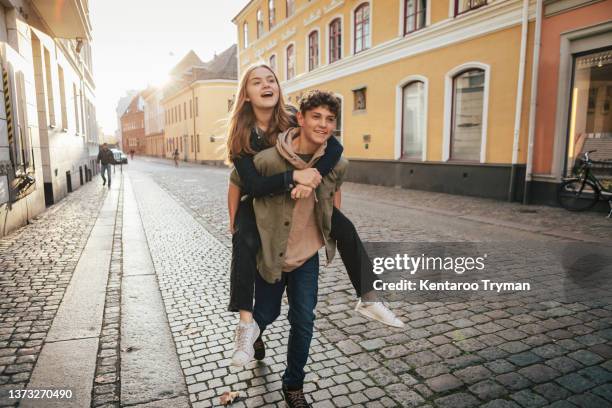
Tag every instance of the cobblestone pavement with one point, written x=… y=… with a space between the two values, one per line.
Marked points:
x=513 y=350
x=36 y=265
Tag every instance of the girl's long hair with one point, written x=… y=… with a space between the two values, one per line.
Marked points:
x=242 y=119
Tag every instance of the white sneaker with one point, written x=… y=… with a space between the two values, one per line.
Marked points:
x=246 y=334
x=378 y=311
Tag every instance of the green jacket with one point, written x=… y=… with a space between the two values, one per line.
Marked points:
x=274 y=214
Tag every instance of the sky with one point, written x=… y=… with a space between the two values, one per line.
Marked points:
x=136 y=42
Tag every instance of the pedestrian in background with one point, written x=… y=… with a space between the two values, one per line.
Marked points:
x=132 y=154
x=106 y=158
x=175 y=155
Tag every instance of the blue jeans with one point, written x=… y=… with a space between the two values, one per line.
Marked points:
x=106 y=168
x=302 y=289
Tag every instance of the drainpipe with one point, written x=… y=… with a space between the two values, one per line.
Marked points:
x=533 y=102
x=195 y=138
x=519 y=101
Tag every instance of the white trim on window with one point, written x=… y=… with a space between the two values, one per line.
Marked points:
x=285 y=62
x=307 y=53
x=342 y=34
x=399 y=112
x=448 y=105
x=400 y=31
x=352 y=33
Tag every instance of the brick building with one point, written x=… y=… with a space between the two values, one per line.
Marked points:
x=132 y=127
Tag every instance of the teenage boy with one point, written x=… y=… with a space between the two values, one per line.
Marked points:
x=293 y=227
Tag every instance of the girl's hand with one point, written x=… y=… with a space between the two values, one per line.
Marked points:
x=231 y=228
x=301 y=191
x=308 y=177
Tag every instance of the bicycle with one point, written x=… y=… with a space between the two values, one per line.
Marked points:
x=584 y=190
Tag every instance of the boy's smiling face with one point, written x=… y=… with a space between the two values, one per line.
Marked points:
x=317 y=124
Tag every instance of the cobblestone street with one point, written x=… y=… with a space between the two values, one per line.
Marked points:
x=551 y=346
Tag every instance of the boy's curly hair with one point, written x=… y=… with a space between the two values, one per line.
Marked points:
x=316 y=98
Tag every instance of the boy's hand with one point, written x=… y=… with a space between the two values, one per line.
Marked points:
x=301 y=191
x=308 y=177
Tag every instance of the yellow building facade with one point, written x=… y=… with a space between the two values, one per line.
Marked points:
x=435 y=93
x=196 y=107
x=195 y=119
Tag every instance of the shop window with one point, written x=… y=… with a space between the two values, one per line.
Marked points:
x=245 y=35
x=413 y=119
x=62 y=89
x=467 y=115
x=590 y=124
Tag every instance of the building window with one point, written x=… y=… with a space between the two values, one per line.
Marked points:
x=359 y=99
x=198 y=139
x=413 y=119
x=49 y=83
x=179 y=115
x=415 y=12
x=273 y=62
x=260 y=24
x=191 y=144
x=62 y=89
x=313 y=50
x=462 y=6
x=335 y=40
x=290 y=4
x=271 y=13
x=190 y=108
x=290 y=62
x=362 y=27
x=19 y=142
x=184 y=110
x=467 y=115
x=196 y=107
x=590 y=126
x=245 y=34
x=75 y=99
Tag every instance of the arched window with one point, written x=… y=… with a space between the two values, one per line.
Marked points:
x=273 y=62
x=290 y=7
x=413 y=119
x=260 y=24
x=414 y=15
x=245 y=34
x=467 y=114
x=362 y=27
x=290 y=62
x=313 y=50
x=271 y=13
x=335 y=40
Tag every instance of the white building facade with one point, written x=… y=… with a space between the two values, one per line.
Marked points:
x=48 y=127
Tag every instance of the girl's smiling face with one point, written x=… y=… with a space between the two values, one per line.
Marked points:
x=262 y=90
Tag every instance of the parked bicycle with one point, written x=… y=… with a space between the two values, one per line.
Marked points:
x=582 y=191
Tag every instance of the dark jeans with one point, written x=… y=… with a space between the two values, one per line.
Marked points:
x=302 y=288
x=246 y=243
x=106 y=168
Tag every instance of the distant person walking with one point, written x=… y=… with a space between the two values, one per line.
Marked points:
x=175 y=155
x=106 y=158
x=132 y=154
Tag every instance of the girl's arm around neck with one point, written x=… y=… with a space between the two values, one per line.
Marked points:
x=257 y=185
